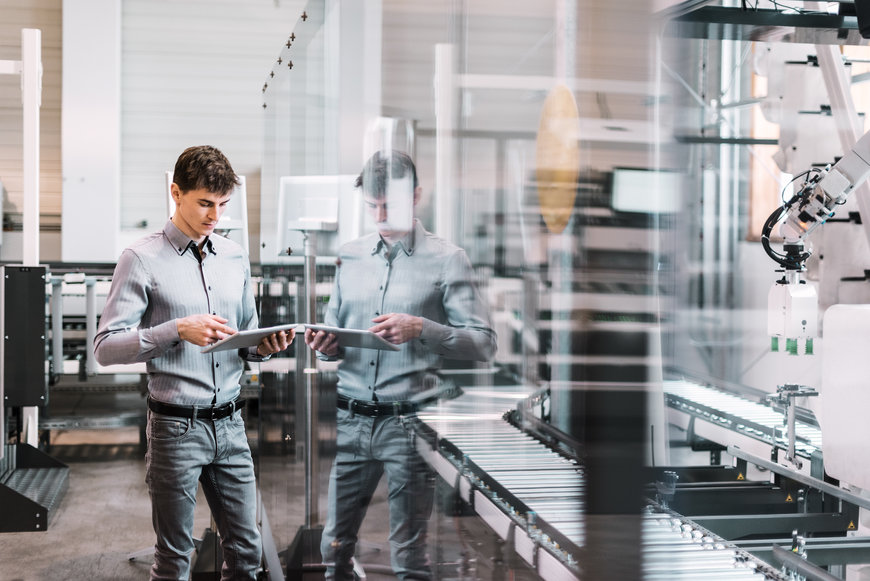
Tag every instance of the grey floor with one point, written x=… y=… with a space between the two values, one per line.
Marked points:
x=105 y=516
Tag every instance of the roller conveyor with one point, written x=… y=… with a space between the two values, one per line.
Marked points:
x=499 y=470
x=533 y=497
x=675 y=549
x=759 y=426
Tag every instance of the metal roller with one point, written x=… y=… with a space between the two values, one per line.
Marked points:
x=484 y=448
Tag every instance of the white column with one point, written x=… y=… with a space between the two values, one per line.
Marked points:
x=91 y=131
x=445 y=141
x=565 y=42
x=31 y=96
x=352 y=46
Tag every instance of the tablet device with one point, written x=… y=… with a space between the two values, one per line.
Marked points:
x=247 y=338
x=356 y=338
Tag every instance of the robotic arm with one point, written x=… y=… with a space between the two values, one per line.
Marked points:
x=816 y=202
x=792 y=304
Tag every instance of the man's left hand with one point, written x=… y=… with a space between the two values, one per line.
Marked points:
x=397 y=328
x=275 y=342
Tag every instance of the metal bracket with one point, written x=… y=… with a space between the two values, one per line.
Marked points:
x=785 y=396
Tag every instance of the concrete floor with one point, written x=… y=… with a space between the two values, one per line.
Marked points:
x=105 y=516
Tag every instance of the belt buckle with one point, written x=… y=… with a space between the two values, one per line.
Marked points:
x=217 y=411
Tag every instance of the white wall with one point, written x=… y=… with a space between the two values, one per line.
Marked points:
x=190 y=73
x=91 y=130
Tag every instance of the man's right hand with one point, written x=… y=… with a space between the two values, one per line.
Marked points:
x=203 y=330
x=326 y=343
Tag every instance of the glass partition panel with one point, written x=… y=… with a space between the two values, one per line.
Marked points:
x=519 y=118
x=295 y=115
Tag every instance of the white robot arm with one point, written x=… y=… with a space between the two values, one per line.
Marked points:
x=819 y=196
x=792 y=304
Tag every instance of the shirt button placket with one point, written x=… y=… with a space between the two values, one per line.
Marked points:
x=382 y=293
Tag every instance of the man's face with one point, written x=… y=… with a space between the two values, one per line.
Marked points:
x=197 y=211
x=393 y=213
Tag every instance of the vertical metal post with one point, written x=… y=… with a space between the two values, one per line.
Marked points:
x=445 y=142
x=90 y=324
x=565 y=43
x=300 y=397
x=530 y=358
x=31 y=97
x=57 y=324
x=312 y=457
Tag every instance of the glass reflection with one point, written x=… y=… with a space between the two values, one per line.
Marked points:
x=537 y=139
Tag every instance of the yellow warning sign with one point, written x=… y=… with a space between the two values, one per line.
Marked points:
x=740 y=476
x=851 y=526
x=789 y=498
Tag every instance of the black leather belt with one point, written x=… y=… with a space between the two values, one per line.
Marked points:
x=204 y=413
x=376 y=408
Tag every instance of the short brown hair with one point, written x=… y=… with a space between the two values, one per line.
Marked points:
x=204 y=167
x=374 y=176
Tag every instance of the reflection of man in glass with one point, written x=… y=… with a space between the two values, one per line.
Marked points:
x=417 y=291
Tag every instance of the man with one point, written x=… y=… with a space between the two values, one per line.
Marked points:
x=172 y=293
x=414 y=290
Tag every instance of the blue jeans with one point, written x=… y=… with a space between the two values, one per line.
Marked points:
x=181 y=453
x=366 y=448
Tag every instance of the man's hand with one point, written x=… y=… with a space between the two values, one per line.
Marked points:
x=203 y=330
x=276 y=342
x=326 y=343
x=397 y=328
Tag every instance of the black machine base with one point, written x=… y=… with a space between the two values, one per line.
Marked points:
x=304 y=562
x=32 y=485
x=209 y=558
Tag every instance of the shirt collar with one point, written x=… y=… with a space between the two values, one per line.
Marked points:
x=406 y=244
x=181 y=241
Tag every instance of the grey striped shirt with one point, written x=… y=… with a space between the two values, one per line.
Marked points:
x=159 y=279
x=425 y=277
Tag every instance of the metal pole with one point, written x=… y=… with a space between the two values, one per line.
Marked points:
x=299 y=397
x=312 y=458
x=31 y=97
x=565 y=43
x=90 y=324
x=790 y=424
x=57 y=324
x=445 y=141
